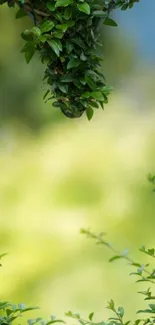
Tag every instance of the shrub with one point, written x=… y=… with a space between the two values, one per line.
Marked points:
x=66 y=35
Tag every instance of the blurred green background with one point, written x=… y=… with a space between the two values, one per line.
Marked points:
x=58 y=175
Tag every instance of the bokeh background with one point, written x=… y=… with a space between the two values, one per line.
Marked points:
x=58 y=175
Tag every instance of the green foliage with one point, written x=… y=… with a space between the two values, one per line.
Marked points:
x=145 y=273
x=66 y=35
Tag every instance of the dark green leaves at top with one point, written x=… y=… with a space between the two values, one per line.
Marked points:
x=66 y=36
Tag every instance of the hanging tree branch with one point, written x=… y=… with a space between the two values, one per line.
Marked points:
x=66 y=36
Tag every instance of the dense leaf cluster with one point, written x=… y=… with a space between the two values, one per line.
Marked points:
x=66 y=34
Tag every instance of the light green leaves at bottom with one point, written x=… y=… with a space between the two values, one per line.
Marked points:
x=84 y=7
x=56 y=46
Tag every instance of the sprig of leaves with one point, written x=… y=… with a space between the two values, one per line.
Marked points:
x=10 y=312
x=141 y=269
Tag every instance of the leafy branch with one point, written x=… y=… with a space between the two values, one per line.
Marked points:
x=66 y=36
x=141 y=268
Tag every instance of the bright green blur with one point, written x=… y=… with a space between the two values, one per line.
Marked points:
x=59 y=175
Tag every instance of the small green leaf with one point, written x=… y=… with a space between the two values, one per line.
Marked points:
x=86 y=95
x=27 y=35
x=63 y=88
x=90 y=82
x=51 y=6
x=56 y=46
x=93 y=104
x=99 y=13
x=46 y=94
x=73 y=63
x=125 y=6
x=55 y=321
x=127 y=323
x=116 y=257
x=84 y=7
x=58 y=34
x=36 y=31
x=20 y=13
x=47 y=26
x=91 y=316
x=89 y=112
x=67 y=13
x=110 y=22
x=63 y=3
x=97 y=95
x=111 y=305
x=83 y=57
x=62 y=27
x=152 y=306
x=29 y=55
x=121 y=311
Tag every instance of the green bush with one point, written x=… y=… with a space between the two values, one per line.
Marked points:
x=66 y=35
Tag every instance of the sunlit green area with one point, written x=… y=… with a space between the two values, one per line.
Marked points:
x=59 y=175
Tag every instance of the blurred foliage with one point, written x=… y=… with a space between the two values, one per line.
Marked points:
x=81 y=175
x=20 y=97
